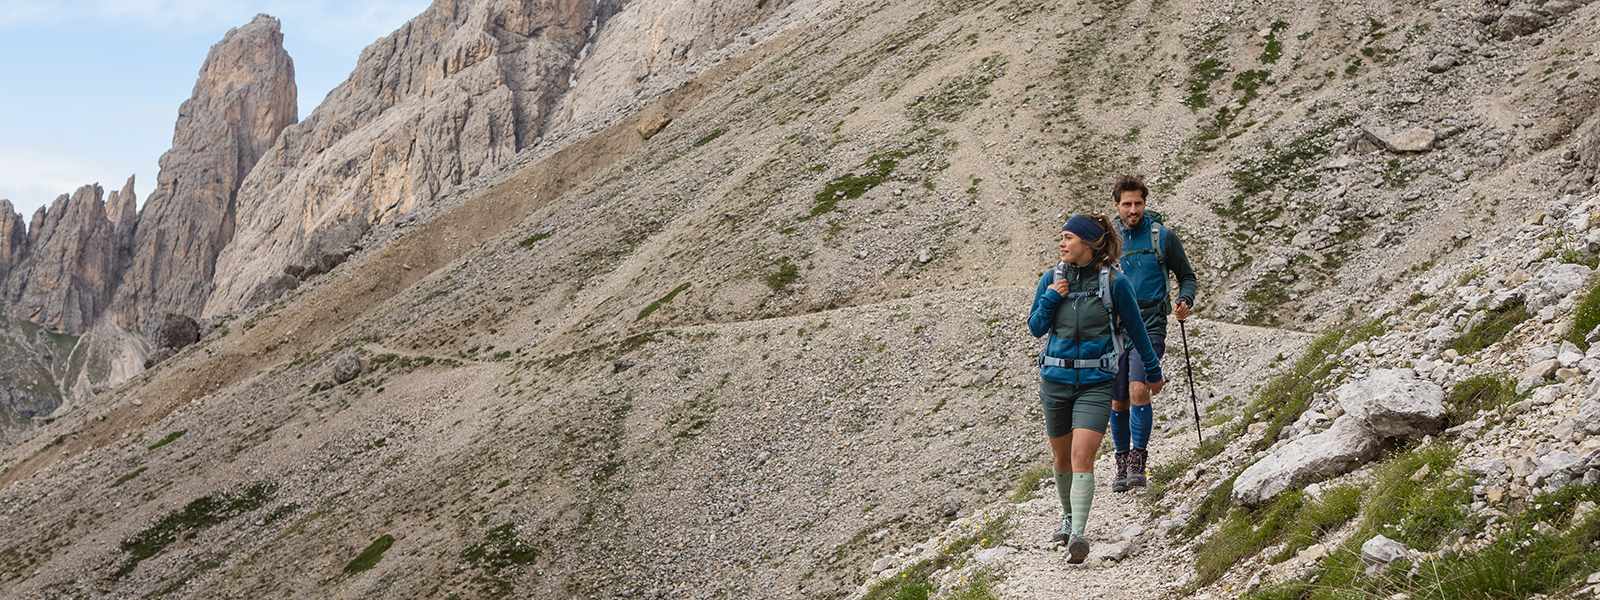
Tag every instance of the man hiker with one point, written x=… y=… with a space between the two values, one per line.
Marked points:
x=1149 y=250
x=1087 y=309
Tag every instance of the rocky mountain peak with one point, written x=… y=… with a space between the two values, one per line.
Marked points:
x=122 y=209
x=577 y=361
x=452 y=95
x=13 y=238
x=68 y=272
x=244 y=97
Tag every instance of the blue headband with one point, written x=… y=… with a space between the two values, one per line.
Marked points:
x=1085 y=228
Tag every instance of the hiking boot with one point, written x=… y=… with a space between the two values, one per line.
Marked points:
x=1120 y=484
x=1077 y=550
x=1062 y=533
x=1136 y=463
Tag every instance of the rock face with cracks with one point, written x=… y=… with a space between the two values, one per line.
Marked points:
x=1394 y=403
x=244 y=97
x=1345 y=445
x=452 y=95
x=1387 y=403
x=70 y=258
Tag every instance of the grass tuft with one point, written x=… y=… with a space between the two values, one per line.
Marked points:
x=1586 y=316
x=786 y=274
x=1540 y=553
x=1244 y=534
x=709 y=137
x=979 y=588
x=916 y=581
x=662 y=301
x=529 y=241
x=500 y=550
x=1499 y=323
x=171 y=437
x=1336 y=507
x=1029 y=481
x=196 y=516
x=1287 y=395
x=128 y=477
x=1479 y=393
x=851 y=186
x=369 y=558
x=1213 y=507
x=1274 y=49
x=1201 y=76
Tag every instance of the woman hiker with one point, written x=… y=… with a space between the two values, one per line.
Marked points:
x=1086 y=308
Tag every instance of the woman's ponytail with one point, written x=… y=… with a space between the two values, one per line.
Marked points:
x=1109 y=251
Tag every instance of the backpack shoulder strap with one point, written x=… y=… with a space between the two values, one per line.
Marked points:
x=1105 y=293
x=1108 y=362
x=1155 y=244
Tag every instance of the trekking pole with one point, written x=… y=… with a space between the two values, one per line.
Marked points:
x=1189 y=368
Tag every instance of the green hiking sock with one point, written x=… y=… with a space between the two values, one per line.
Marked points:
x=1082 y=497
x=1064 y=491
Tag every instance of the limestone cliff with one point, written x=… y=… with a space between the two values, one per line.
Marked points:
x=67 y=276
x=453 y=94
x=244 y=97
x=13 y=239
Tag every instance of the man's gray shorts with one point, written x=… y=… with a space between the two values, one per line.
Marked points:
x=1130 y=367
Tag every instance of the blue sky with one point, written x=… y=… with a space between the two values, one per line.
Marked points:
x=89 y=89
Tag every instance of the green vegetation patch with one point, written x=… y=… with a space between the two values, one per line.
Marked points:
x=1029 y=481
x=1316 y=519
x=1543 y=552
x=709 y=137
x=1289 y=166
x=1249 y=83
x=1419 y=511
x=501 y=549
x=537 y=237
x=978 y=588
x=193 y=518
x=1244 y=534
x=1586 y=316
x=1287 y=395
x=662 y=301
x=851 y=185
x=915 y=581
x=1213 y=507
x=1573 y=256
x=369 y=558
x=1201 y=76
x=1396 y=175
x=786 y=274
x=128 y=477
x=1263 y=298
x=171 y=437
x=1479 y=393
x=1491 y=329
x=1274 y=49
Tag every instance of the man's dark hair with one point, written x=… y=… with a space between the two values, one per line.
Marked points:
x=1129 y=183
